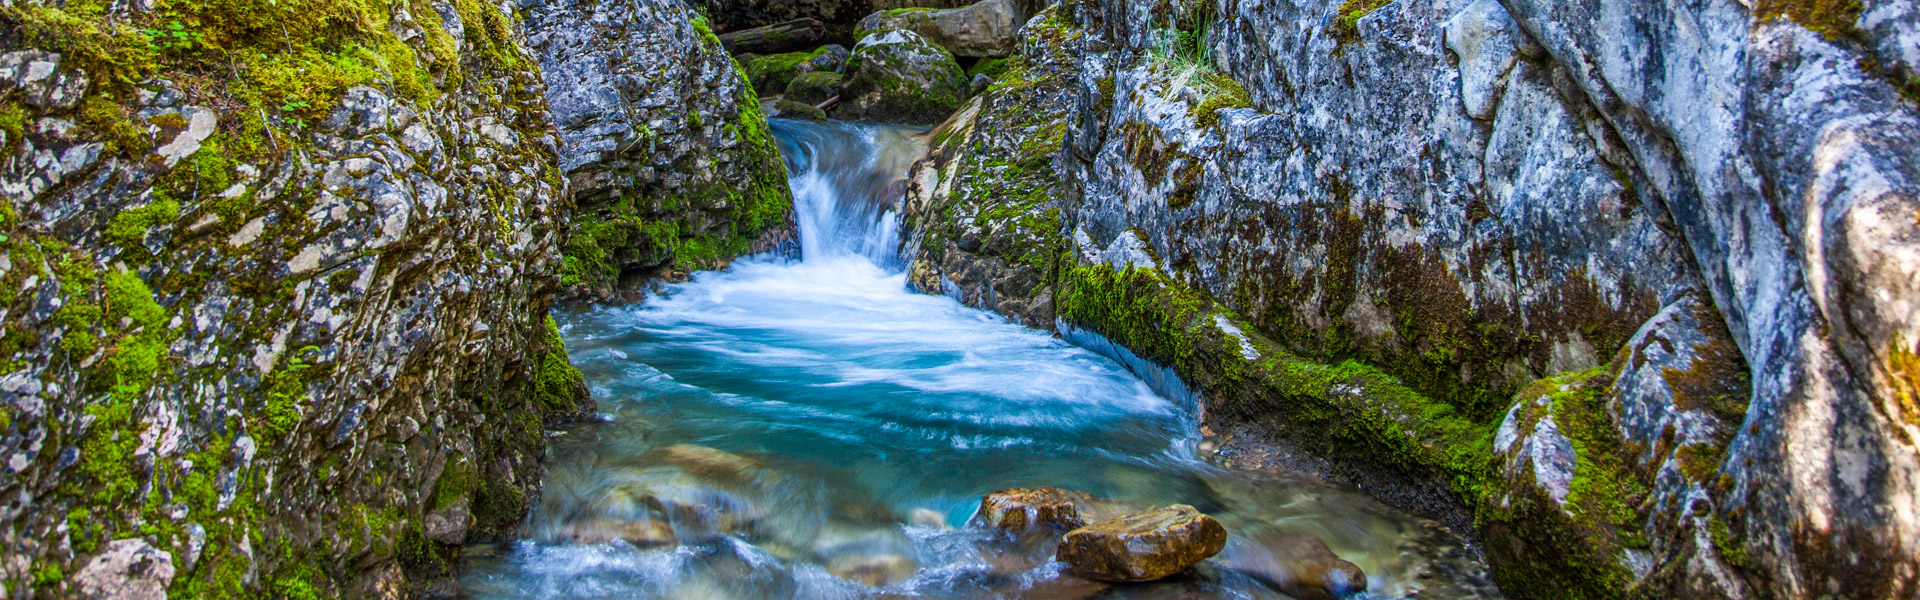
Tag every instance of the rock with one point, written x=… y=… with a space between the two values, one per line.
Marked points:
x=649 y=106
x=797 y=110
x=898 y=77
x=814 y=88
x=980 y=84
x=127 y=569
x=772 y=73
x=1298 y=564
x=711 y=464
x=449 y=524
x=1021 y=509
x=927 y=517
x=643 y=533
x=986 y=28
x=1143 y=546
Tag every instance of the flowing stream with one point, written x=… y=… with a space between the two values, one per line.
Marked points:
x=813 y=429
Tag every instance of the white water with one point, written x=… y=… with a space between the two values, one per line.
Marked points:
x=870 y=421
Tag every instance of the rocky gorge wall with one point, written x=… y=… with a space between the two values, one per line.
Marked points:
x=1625 y=289
x=277 y=277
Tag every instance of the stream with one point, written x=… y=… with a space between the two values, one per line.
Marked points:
x=812 y=428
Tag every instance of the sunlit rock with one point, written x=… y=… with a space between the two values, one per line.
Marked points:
x=1143 y=546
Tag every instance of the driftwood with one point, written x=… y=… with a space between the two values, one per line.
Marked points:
x=790 y=36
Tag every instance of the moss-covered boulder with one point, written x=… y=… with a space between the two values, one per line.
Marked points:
x=898 y=77
x=666 y=147
x=986 y=28
x=815 y=88
x=771 y=73
x=789 y=109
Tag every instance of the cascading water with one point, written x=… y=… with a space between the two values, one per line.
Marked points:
x=812 y=429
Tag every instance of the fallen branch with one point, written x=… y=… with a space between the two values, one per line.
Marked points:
x=789 y=36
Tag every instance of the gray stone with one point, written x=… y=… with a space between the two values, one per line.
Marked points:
x=986 y=28
x=127 y=569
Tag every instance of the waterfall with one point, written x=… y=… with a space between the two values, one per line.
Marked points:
x=845 y=178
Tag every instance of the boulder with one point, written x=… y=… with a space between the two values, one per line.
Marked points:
x=1021 y=509
x=788 y=109
x=988 y=28
x=900 y=77
x=772 y=73
x=1143 y=546
x=814 y=88
x=1300 y=565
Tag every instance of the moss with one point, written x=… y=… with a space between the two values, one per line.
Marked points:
x=130 y=226
x=1351 y=410
x=1221 y=93
x=992 y=67
x=1833 y=19
x=285 y=388
x=1903 y=369
x=1542 y=549
x=1346 y=25
x=1731 y=548
x=557 y=385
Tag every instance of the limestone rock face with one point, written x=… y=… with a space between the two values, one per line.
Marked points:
x=305 y=325
x=1143 y=546
x=662 y=140
x=1691 y=230
x=898 y=77
x=986 y=28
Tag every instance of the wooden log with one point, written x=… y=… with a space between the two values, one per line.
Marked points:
x=789 y=36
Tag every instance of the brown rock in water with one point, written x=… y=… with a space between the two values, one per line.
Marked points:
x=1300 y=565
x=1021 y=509
x=644 y=533
x=703 y=462
x=1143 y=546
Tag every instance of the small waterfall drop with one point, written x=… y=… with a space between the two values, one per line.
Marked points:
x=844 y=177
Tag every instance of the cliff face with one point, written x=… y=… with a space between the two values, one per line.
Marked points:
x=1629 y=288
x=276 y=284
x=662 y=140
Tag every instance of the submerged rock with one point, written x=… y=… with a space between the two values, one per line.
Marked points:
x=899 y=77
x=1300 y=565
x=987 y=28
x=644 y=533
x=1021 y=509
x=1143 y=546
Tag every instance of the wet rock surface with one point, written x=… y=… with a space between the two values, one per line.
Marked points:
x=1143 y=546
x=1300 y=565
x=1021 y=509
